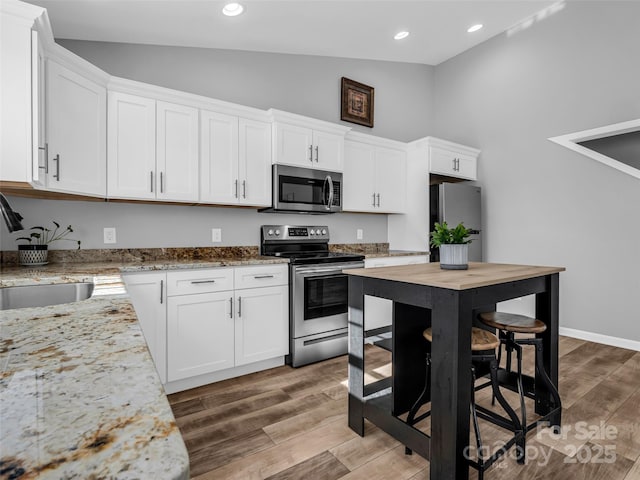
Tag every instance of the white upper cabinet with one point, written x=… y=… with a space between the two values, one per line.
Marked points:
x=374 y=175
x=132 y=146
x=153 y=149
x=306 y=142
x=235 y=160
x=76 y=132
x=452 y=159
x=176 y=152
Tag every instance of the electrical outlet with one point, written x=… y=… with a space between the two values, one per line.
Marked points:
x=216 y=235
x=110 y=235
x=359 y=234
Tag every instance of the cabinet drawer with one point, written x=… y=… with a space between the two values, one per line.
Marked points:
x=261 y=276
x=199 y=281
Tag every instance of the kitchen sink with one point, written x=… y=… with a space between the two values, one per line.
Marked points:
x=44 y=295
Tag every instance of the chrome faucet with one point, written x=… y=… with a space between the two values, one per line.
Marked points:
x=11 y=218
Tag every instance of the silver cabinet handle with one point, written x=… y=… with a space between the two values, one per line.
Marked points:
x=46 y=158
x=196 y=282
x=57 y=160
x=374 y=200
x=317 y=153
x=236 y=189
x=378 y=195
x=161 y=180
x=151 y=175
x=161 y=290
x=263 y=276
x=230 y=307
x=311 y=153
x=454 y=164
x=244 y=189
x=239 y=307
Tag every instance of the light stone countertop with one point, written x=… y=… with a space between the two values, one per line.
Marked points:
x=79 y=393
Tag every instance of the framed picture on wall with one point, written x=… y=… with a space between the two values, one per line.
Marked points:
x=357 y=103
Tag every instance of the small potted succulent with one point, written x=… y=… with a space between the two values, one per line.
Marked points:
x=36 y=251
x=453 y=244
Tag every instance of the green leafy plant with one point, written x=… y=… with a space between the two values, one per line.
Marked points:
x=46 y=236
x=443 y=235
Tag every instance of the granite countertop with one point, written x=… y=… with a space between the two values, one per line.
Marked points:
x=79 y=394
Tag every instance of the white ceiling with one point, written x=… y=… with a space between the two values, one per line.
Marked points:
x=337 y=28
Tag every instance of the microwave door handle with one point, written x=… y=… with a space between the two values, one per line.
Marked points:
x=330 y=202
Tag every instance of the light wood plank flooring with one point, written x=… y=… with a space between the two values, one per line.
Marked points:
x=287 y=423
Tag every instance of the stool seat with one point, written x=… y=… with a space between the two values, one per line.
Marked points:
x=480 y=339
x=512 y=322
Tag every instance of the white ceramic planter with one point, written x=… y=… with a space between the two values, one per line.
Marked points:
x=31 y=255
x=454 y=256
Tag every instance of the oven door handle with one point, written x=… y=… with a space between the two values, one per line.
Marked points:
x=338 y=270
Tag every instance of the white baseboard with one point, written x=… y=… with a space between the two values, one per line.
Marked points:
x=598 y=338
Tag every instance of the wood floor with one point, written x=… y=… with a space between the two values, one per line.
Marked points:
x=287 y=423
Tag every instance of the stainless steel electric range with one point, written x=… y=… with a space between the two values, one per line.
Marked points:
x=318 y=290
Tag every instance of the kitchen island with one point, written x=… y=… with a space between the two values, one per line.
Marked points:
x=448 y=301
x=79 y=393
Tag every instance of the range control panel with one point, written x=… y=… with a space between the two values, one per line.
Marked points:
x=295 y=232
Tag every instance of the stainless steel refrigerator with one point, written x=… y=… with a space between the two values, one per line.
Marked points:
x=454 y=203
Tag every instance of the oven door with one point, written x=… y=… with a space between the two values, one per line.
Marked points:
x=320 y=298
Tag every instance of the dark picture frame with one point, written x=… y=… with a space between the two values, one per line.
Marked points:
x=357 y=103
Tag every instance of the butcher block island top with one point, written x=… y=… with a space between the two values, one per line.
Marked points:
x=478 y=275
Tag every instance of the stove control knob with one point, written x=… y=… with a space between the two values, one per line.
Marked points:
x=324 y=231
x=312 y=232
x=270 y=232
x=277 y=232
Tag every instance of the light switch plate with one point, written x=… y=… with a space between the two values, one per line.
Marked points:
x=216 y=235
x=359 y=234
x=109 y=235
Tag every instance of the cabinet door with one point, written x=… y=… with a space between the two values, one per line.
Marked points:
x=131 y=159
x=148 y=296
x=38 y=124
x=218 y=158
x=359 y=177
x=255 y=163
x=262 y=324
x=200 y=331
x=328 y=151
x=391 y=181
x=176 y=152
x=452 y=163
x=293 y=145
x=77 y=132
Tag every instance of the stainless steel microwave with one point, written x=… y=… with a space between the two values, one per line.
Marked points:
x=305 y=190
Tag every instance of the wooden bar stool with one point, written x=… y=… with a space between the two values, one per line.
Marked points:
x=483 y=345
x=508 y=324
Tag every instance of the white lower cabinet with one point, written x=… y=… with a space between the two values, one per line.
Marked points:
x=200 y=331
x=198 y=322
x=378 y=312
x=148 y=294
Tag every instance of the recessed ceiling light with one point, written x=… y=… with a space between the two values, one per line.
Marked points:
x=474 y=28
x=232 y=9
x=401 y=35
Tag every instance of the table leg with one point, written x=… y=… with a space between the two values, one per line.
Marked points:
x=547 y=311
x=450 y=384
x=356 y=355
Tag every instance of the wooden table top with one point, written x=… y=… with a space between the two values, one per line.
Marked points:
x=478 y=275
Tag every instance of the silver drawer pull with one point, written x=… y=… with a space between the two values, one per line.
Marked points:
x=202 y=281
x=263 y=276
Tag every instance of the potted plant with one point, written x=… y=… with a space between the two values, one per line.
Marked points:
x=36 y=251
x=453 y=244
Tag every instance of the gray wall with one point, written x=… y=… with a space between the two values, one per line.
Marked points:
x=307 y=85
x=141 y=225
x=300 y=84
x=544 y=204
